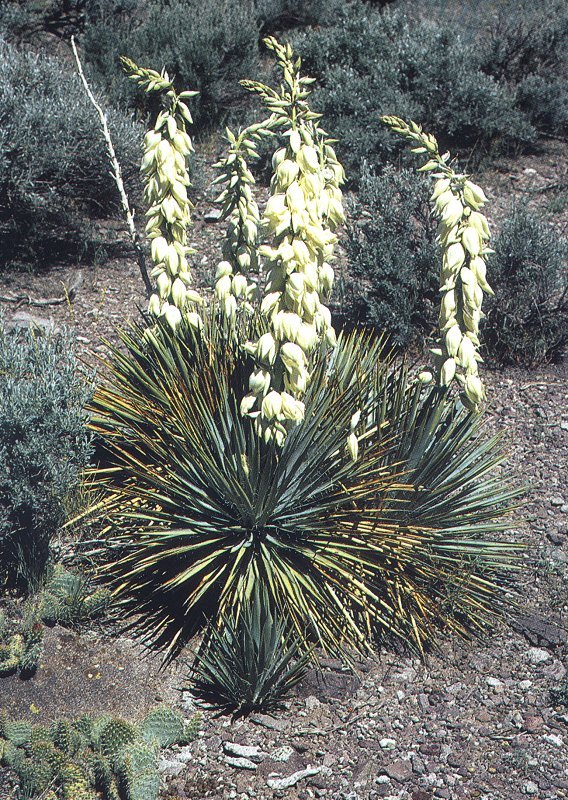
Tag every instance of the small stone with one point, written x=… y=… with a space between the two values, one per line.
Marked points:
x=283 y=753
x=564 y=509
x=555 y=538
x=524 y=685
x=387 y=744
x=400 y=771
x=430 y=748
x=272 y=723
x=529 y=787
x=536 y=655
x=312 y=703
x=556 y=670
x=495 y=684
x=170 y=767
x=292 y=780
x=557 y=501
x=22 y=320
x=421 y=794
x=212 y=216
x=240 y=763
x=251 y=752
x=456 y=760
x=553 y=738
x=382 y=779
x=532 y=723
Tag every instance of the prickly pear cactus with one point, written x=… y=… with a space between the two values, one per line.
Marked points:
x=20 y=649
x=115 y=735
x=18 y=733
x=98 y=758
x=137 y=772
x=163 y=726
x=68 y=599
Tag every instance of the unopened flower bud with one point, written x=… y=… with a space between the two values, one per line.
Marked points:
x=447 y=372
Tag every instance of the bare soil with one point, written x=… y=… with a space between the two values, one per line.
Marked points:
x=476 y=720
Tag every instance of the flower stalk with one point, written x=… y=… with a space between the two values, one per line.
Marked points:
x=166 y=177
x=463 y=233
x=300 y=217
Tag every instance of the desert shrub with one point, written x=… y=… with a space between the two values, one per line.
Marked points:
x=392 y=256
x=278 y=15
x=527 y=320
x=371 y=63
x=206 y=46
x=53 y=161
x=23 y=20
x=525 y=45
x=44 y=445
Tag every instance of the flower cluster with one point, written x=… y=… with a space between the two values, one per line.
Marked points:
x=165 y=169
x=304 y=208
x=238 y=205
x=463 y=234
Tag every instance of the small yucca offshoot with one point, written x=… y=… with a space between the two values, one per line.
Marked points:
x=70 y=599
x=249 y=660
x=199 y=509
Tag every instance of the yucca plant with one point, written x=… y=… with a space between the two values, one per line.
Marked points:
x=254 y=459
x=200 y=510
x=249 y=661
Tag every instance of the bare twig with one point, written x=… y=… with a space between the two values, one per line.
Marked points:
x=116 y=174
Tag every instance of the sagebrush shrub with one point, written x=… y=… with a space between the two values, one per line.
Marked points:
x=392 y=256
x=527 y=320
x=371 y=63
x=24 y=20
x=53 y=161
x=44 y=445
x=205 y=46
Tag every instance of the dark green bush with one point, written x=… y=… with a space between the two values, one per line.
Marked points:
x=392 y=256
x=278 y=15
x=371 y=63
x=206 y=46
x=44 y=445
x=527 y=321
x=53 y=162
x=525 y=45
x=23 y=20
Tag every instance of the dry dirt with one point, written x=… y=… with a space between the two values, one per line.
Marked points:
x=476 y=721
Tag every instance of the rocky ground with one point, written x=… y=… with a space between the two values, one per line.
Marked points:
x=476 y=720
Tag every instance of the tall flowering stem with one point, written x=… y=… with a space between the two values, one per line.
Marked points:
x=166 y=176
x=239 y=207
x=300 y=217
x=463 y=233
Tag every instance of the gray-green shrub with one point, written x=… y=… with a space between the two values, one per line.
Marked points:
x=527 y=320
x=206 y=46
x=371 y=63
x=53 y=162
x=392 y=256
x=44 y=445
